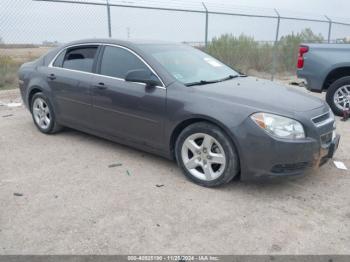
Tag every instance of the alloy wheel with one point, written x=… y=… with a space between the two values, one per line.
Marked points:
x=203 y=156
x=341 y=98
x=41 y=113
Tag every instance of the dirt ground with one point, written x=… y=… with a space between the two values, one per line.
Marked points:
x=58 y=195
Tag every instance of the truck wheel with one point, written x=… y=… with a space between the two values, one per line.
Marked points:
x=338 y=95
x=206 y=155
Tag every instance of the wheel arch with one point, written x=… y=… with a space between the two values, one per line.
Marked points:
x=199 y=118
x=32 y=91
x=334 y=75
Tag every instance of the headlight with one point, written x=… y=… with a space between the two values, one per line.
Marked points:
x=279 y=126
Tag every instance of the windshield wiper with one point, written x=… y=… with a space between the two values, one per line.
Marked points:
x=205 y=82
x=201 y=82
x=229 y=77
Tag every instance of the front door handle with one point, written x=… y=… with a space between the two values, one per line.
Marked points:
x=51 y=76
x=101 y=86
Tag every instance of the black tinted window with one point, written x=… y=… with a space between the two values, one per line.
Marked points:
x=80 y=59
x=117 y=62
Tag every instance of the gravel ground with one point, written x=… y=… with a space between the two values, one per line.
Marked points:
x=58 y=195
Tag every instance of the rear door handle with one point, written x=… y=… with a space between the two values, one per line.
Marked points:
x=51 y=76
x=101 y=86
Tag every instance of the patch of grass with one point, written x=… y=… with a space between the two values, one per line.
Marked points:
x=11 y=58
x=8 y=87
x=8 y=72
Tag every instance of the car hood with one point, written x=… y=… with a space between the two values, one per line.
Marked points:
x=261 y=94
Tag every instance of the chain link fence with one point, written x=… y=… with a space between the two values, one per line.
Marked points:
x=256 y=41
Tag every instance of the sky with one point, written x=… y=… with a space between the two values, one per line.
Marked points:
x=335 y=8
x=26 y=21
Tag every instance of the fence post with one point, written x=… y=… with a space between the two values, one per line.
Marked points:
x=329 y=29
x=206 y=25
x=274 y=58
x=109 y=19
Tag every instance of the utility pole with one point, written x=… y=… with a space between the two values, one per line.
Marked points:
x=128 y=32
x=109 y=19
x=329 y=29
x=274 y=58
x=206 y=24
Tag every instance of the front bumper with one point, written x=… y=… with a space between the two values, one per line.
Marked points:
x=328 y=153
x=264 y=156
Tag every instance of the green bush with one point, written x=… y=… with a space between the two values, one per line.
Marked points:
x=241 y=52
x=246 y=54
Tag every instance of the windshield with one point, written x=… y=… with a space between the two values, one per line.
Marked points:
x=189 y=65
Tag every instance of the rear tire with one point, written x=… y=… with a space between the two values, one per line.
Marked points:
x=338 y=95
x=206 y=155
x=43 y=114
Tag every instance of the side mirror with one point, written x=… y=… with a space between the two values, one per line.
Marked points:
x=142 y=76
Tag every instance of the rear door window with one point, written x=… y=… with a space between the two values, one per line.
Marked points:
x=80 y=58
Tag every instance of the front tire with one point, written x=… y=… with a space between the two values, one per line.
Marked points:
x=206 y=155
x=43 y=114
x=338 y=95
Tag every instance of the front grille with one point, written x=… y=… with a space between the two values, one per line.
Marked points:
x=326 y=135
x=323 y=119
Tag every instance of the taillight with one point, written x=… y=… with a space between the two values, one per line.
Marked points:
x=302 y=50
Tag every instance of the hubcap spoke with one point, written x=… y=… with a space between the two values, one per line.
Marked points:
x=42 y=122
x=47 y=120
x=207 y=142
x=191 y=145
x=41 y=104
x=217 y=158
x=341 y=98
x=344 y=90
x=208 y=172
x=192 y=163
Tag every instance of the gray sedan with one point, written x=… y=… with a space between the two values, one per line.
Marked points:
x=178 y=102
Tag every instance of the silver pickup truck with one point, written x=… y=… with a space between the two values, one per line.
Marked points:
x=326 y=67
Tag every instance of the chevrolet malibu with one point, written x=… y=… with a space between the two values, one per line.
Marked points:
x=178 y=102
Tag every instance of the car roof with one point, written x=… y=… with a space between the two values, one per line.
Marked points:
x=134 y=43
